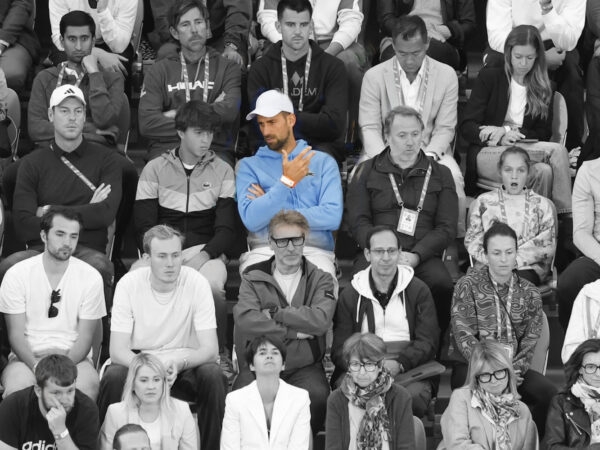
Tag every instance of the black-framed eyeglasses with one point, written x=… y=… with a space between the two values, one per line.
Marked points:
x=297 y=241
x=590 y=368
x=486 y=377
x=369 y=366
x=54 y=298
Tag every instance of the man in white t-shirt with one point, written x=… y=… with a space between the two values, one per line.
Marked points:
x=168 y=310
x=53 y=303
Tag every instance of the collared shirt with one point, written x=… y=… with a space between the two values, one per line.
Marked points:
x=410 y=90
x=383 y=297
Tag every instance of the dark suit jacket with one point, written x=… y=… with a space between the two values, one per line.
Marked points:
x=488 y=105
x=458 y=15
x=16 y=25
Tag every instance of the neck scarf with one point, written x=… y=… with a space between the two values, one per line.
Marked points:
x=375 y=425
x=500 y=411
x=589 y=396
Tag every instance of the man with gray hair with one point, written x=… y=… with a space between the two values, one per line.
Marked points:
x=404 y=189
x=168 y=310
x=289 y=297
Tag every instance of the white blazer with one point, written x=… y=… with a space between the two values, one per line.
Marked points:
x=245 y=423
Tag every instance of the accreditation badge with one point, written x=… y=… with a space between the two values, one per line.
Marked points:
x=407 y=223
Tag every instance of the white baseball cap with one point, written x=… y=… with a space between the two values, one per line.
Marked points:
x=63 y=92
x=271 y=103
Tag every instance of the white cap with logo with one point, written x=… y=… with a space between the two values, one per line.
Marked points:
x=271 y=103
x=63 y=92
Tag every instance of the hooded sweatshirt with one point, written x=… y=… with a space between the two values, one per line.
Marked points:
x=585 y=319
x=410 y=310
x=318 y=197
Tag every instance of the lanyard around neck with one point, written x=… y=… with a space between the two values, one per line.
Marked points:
x=498 y=302
x=284 y=76
x=184 y=75
x=423 y=191
x=422 y=87
x=61 y=75
x=505 y=215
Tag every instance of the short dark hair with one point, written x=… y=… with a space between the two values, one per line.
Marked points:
x=402 y=111
x=60 y=368
x=128 y=428
x=77 y=19
x=380 y=229
x=197 y=114
x=295 y=5
x=576 y=359
x=48 y=217
x=180 y=7
x=255 y=344
x=514 y=150
x=498 y=229
x=407 y=27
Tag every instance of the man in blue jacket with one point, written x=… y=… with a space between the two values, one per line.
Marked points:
x=287 y=174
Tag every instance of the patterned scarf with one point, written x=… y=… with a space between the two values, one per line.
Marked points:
x=500 y=410
x=375 y=423
x=589 y=396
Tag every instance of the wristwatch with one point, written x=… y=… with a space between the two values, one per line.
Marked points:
x=231 y=45
x=287 y=181
x=62 y=435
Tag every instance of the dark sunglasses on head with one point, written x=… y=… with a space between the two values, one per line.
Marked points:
x=54 y=298
x=93 y=3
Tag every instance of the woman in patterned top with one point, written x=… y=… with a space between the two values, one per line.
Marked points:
x=494 y=303
x=529 y=214
x=486 y=413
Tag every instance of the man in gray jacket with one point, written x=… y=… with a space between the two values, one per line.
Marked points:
x=289 y=297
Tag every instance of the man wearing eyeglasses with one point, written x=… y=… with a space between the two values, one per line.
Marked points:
x=387 y=299
x=52 y=303
x=289 y=297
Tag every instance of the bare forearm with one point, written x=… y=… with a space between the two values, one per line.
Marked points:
x=21 y=348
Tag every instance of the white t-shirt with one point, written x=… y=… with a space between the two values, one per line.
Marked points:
x=516 y=105
x=156 y=326
x=153 y=429
x=26 y=289
x=288 y=283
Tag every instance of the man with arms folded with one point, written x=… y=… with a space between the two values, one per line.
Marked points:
x=167 y=310
x=286 y=174
x=197 y=72
x=291 y=298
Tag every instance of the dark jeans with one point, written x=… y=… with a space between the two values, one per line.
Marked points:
x=434 y=274
x=312 y=378
x=536 y=392
x=569 y=82
x=579 y=273
x=440 y=51
x=205 y=384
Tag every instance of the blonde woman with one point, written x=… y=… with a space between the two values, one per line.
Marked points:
x=486 y=413
x=147 y=402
